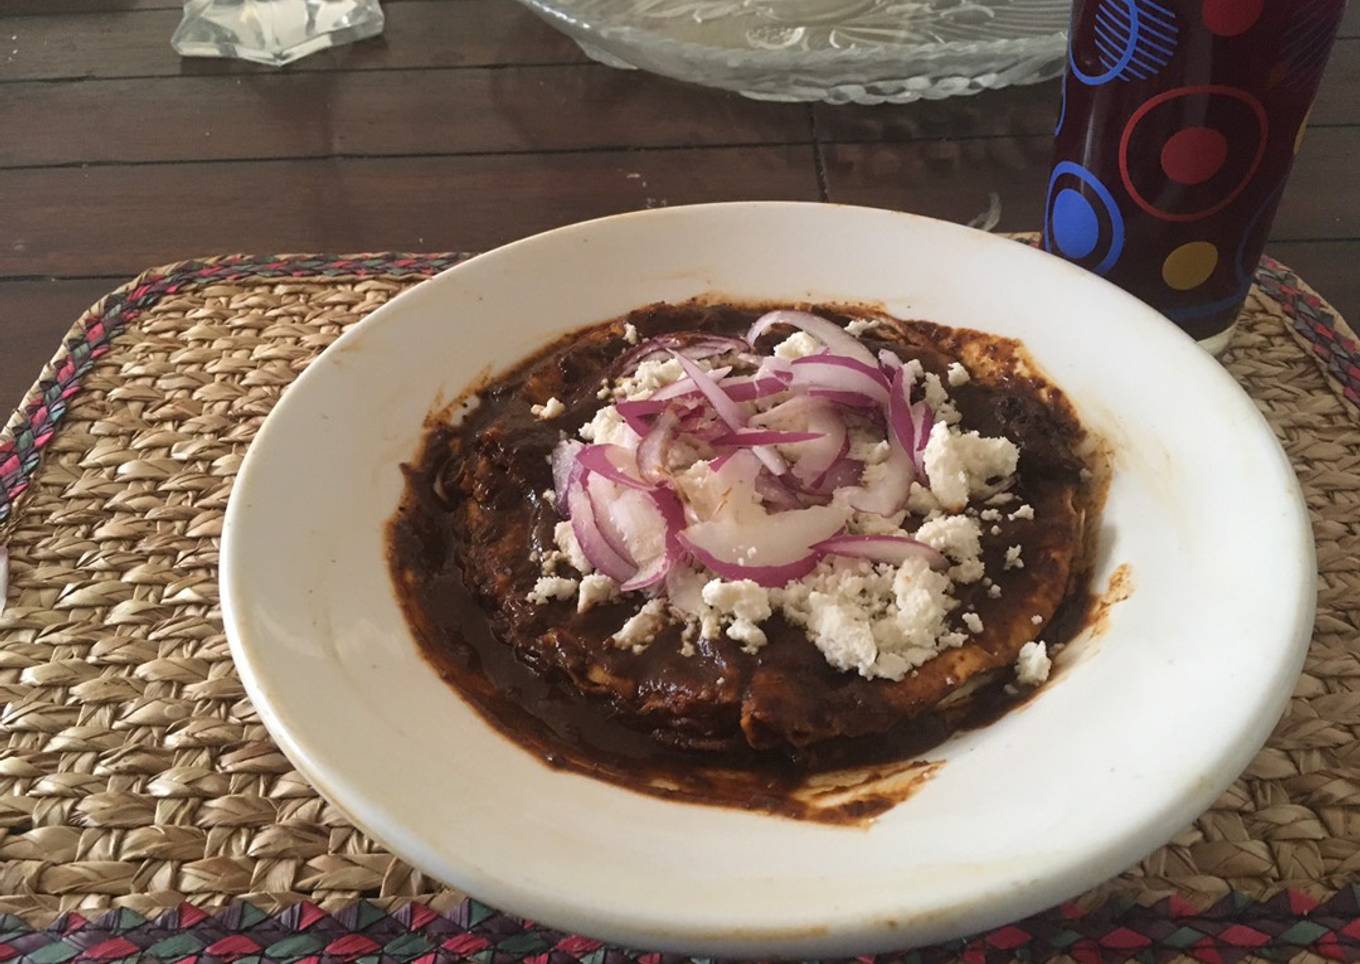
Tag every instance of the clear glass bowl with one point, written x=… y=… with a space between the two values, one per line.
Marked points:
x=839 y=51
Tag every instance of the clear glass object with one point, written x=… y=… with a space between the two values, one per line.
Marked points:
x=840 y=51
x=274 y=32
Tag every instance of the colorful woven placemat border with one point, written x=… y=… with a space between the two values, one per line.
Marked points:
x=1234 y=928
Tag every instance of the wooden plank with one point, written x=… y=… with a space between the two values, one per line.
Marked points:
x=34 y=317
x=464 y=33
x=378 y=113
x=105 y=220
x=953 y=179
x=1033 y=109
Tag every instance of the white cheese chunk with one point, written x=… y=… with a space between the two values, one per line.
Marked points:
x=798 y=345
x=1033 y=665
x=1026 y=511
x=859 y=326
x=551 y=587
x=630 y=333
x=957 y=375
x=961 y=463
x=595 y=588
x=552 y=408
x=609 y=428
x=565 y=538
x=641 y=628
x=739 y=599
x=1013 y=560
x=959 y=538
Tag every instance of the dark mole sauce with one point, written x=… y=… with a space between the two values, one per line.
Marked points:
x=842 y=780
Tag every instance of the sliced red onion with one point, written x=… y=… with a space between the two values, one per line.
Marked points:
x=775 y=493
x=767 y=551
x=767 y=437
x=830 y=334
x=843 y=474
x=670 y=515
x=654 y=447
x=564 y=466
x=720 y=461
x=603 y=495
x=689 y=344
x=636 y=413
x=839 y=373
x=685 y=387
x=613 y=462
x=889 y=493
x=925 y=421
x=848 y=399
x=900 y=421
x=815 y=458
x=883 y=548
x=591 y=540
x=748 y=388
x=729 y=412
x=4 y=576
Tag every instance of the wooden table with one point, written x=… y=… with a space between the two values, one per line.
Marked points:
x=470 y=123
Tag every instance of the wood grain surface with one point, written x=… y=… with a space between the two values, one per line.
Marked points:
x=470 y=123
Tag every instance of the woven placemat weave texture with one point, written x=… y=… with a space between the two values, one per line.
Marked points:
x=133 y=771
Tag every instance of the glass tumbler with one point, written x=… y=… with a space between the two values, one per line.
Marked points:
x=1180 y=121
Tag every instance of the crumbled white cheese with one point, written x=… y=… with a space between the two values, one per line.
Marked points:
x=650 y=375
x=551 y=587
x=740 y=599
x=960 y=463
x=958 y=375
x=921 y=501
x=595 y=588
x=642 y=627
x=565 y=537
x=798 y=345
x=550 y=497
x=1033 y=665
x=751 y=636
x=994 y=591
x=630 y=333
x=923 y=601
x=959 y=538
x=1026 y=511
x=1013 y=560
x=1001 y=498
x=973 y=621
x=609 y=428
x=1036 y=619
x=938 y=399
x=858 y=326
x=868 y=447
x=552 y=408
x=842 y=633
x=869 y=524
x=995 y=530
x=990 y=515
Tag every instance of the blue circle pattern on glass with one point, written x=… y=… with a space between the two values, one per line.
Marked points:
x=1134 y=40
x=1072 y=222
x=1076 y=228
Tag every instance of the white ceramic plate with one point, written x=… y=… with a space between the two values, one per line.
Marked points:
x=1128 y=746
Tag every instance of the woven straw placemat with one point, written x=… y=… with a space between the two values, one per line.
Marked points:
x=134 y=773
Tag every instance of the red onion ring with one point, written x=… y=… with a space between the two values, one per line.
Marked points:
x=830 y=334
x=691 y=344
x=589 y=537
x=672 y=515
x=685 y=387
x=768 y=437
x=605 y=460
x=652 y=450
x=774 y=550
x=729 y=412
x=883 y=548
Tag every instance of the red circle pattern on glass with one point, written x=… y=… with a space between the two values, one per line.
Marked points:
x=1207 y=90
x=1193 y=155
x=1228 y=18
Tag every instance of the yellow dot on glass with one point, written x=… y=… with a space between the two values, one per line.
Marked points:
x=1190 y=265
x=1298 y=138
